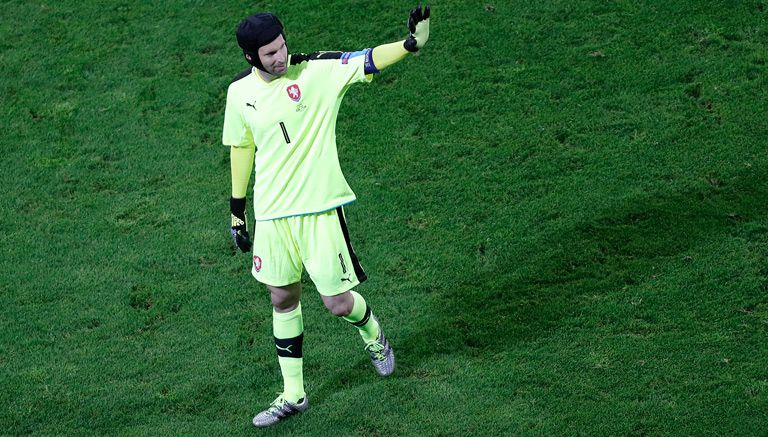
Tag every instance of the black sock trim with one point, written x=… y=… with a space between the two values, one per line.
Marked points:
x=290 y=347
x=365 y=319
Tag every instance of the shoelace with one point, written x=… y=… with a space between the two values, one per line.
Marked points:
x=276 y=405
x=375 y=350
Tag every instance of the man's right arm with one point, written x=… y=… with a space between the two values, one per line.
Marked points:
x=241 y=152
x=241 y=165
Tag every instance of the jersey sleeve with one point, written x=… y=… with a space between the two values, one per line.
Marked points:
x=235 y=132
x=350 y=68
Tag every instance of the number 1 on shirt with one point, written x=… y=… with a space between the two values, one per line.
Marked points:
x=285 y=133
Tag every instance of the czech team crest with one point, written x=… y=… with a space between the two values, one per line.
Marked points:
x=294 y=92
x=257 y=263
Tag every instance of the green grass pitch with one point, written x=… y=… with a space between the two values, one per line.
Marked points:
x=562 y=208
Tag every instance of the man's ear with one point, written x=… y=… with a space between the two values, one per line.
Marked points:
x=248 y=57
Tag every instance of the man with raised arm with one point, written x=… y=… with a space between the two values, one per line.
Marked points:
x=280 y=123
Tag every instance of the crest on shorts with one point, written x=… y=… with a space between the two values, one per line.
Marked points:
x=294 y=92
x=256 y=263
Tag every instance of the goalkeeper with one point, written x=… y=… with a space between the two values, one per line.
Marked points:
x=280 y=120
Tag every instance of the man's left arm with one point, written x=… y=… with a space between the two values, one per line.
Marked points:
x=378 y=58
x=387 y=54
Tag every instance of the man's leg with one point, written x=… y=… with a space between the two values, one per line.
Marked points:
x=288 y=330
x=352 y=307
x=276 y=260
x=335 y=269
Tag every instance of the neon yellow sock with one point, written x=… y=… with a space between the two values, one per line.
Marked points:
x=361 y=318
x=288 y=329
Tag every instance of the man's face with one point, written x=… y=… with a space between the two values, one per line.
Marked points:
x=274 y=57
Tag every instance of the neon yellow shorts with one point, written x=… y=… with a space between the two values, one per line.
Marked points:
x=319 y=242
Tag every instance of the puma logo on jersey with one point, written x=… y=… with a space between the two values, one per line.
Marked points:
x=252 y=105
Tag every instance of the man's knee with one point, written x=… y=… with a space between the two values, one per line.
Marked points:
x=339 y=305
x=284 y=304
x=285 y=298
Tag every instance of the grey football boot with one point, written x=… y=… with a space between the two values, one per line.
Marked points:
x=382 y=356
x=278 y=410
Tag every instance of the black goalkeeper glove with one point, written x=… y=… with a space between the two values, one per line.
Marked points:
x=239 y=228
x=418 y=26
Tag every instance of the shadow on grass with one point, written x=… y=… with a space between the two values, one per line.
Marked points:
x=485 y=313
x=616 y=249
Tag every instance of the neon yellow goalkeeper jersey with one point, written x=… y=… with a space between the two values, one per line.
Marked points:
x=292 y=122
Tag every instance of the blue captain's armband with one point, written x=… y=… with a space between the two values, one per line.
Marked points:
x=370 y=68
